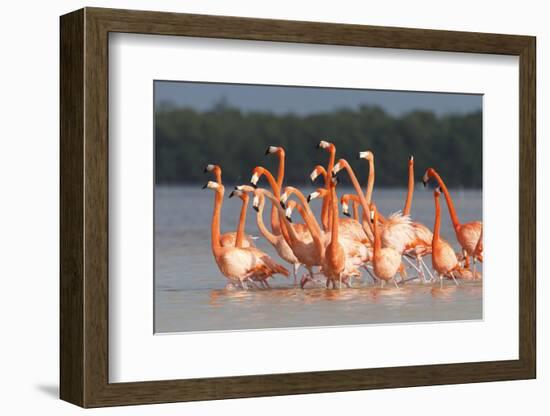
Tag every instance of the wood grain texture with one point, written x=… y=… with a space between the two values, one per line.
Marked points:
x=84 y=207
x=71 y=185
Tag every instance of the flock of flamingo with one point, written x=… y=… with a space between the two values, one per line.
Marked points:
x=339 y=248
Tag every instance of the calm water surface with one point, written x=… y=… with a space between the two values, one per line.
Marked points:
x=190 y=292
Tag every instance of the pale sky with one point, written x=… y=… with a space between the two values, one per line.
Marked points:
x=308 y=100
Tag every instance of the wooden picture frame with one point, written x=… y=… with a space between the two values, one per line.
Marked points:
x=84 y=207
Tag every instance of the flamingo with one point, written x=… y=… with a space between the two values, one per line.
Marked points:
x=331 y=149
x=468 y=234
x=357 y=250
x=421 y=245
x=280 y=152
x=417 y=242
x=277 y=241
x=396 y=229
x=354 y=253
x=227 y=239
x=334 y=261
x=239 y=241
x=444 y=259
x=238 y=264
x=309 y=251
x=386 y=260
x=348 y=227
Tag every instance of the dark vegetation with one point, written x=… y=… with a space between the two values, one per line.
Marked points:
x=186 y=140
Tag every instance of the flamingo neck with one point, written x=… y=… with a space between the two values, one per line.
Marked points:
x=370 y=182
x=260 y=220
x=437 y=223
x=449 y=200
x=410 y=191
x=308 y=216
x=325 y=207
x=218 y=201
x=334 y=225
x=288 y=232
x=377 y=241
x=357 y=187
x=275 y=222
x=242 y=221
x=219 y=177
x=355 y=210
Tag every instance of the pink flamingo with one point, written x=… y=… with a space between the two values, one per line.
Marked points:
x=277 y=241
x=421 y=244
x=386 y=260
x=347 y=227
x=444 y=259
x=309 y=251
x=227 y=239
x=396 y=231
x=240 y=237
x=468 y=234
x=237 y=264
x=280 y=152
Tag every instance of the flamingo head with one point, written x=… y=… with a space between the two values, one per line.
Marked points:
x=341 y=164
x=244 y=188
x=372 y=213
x=427 y=175
x=215 y=169
x=243 y=196
x=318 y=193
x=344 y=203
x=323 y=144
x=274 y=149
x=411 y=160
x=366 y=155
x=437 y=192
x=256 y=202
x=257 y=172
x=288 y=212
x=213 y=185
x=284 y=198
x=318 y=170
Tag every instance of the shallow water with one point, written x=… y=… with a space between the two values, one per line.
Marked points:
x=190 y=294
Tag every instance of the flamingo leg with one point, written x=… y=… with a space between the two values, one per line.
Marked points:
x=453 y=276
x=474 y=261
x=395 y=283
x=427 y=269
x=295 y=272
x=370 y=273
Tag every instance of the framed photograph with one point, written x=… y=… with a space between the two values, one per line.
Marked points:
x=255 y=207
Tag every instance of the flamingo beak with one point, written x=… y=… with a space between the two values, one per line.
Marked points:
x=255 y=203
x=313 y=176
x=336 y=168
x=254 y=180
x=425 y=179
x=232 y=194
x=345 y=209
x=205 y=186
x=288 y=214
x=283 y=205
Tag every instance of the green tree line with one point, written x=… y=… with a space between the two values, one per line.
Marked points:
x=186 y=140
